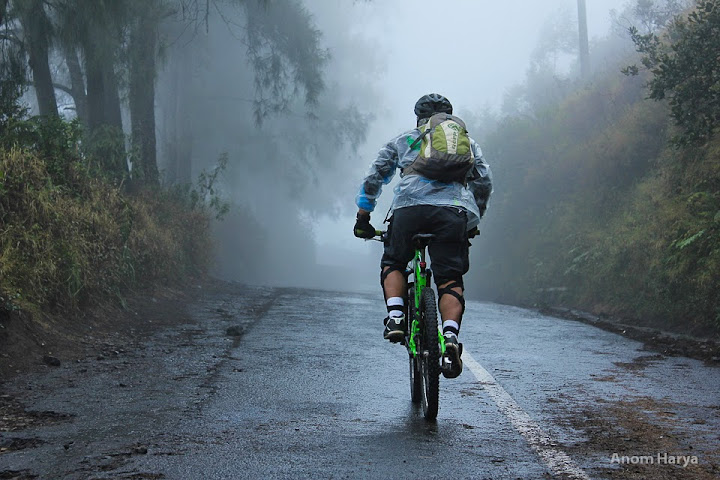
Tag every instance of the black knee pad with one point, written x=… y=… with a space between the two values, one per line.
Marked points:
x=387 y=270
x=448 y=290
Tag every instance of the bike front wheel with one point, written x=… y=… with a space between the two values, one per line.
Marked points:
x=416 y=382
x=429 y=354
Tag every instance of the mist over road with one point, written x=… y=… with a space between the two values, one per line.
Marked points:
x=304 y=386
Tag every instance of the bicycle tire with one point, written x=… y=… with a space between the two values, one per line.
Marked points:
x=416 y=383
x=429 y=354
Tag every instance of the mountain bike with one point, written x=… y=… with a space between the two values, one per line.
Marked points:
x=423 y=339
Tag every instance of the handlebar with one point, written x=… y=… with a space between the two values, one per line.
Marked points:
x=381 y=235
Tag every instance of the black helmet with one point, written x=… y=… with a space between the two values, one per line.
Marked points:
x=430 y=104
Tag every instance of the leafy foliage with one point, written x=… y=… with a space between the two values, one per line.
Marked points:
x=208 y=193
x=69 y=237
x=105 y=154
x=594 y=209
x=285 y=52
x=685 y=69
x=652 y=15
x=13 y=72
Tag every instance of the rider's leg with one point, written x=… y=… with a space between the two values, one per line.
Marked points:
x=392 y=279
x=450 y=261
x=451 y=304
x=394 y=283
x=451 y=307
x=398 y=252
x=394 y=286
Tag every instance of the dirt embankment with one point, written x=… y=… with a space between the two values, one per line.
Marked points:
x=45 y=341
x=667 y=343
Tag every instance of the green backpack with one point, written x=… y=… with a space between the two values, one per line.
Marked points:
x=445 y=152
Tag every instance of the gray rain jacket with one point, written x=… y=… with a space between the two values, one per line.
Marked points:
x=418 y=190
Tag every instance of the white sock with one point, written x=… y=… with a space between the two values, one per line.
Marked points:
x=451 y=326
x=395 y=302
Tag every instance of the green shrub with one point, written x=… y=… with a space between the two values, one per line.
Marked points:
x=595 y=209
x=68 y=238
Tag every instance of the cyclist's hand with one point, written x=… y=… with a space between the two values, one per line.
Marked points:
x=363 y=229
x=474 y=232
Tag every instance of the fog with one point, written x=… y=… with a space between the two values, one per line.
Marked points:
x=492 y=46
x=292 y=178
x=266 y=114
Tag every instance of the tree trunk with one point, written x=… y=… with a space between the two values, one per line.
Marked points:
x=113 y=112
x=583 y=39
x=168 y=107
x=95 y=91
x=77 y=84
x=106 y=138
x=36 y=27
x=103 y=97
x=176 y=121
x=184 y=120
x=143 y=42
x=3 y=10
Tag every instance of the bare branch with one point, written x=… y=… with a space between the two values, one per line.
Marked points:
x=64 y=88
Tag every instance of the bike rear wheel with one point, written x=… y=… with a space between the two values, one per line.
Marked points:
x=416 y=383
x=429 y=354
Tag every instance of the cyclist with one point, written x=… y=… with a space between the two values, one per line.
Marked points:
x=449 y=210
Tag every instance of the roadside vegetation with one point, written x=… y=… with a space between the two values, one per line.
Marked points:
x=110 y=169
x=120 y=147
x=608 y=188
x=136 y=138
x=71 y=236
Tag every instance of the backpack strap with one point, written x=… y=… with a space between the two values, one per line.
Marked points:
x=430 y=127
x=420 y=138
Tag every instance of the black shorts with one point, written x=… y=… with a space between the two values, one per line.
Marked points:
x=448 y=252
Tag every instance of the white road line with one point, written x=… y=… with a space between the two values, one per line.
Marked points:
x=557 y=461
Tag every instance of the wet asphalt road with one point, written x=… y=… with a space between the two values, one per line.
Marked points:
x=310 y=390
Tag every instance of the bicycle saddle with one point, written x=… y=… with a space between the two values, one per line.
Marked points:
x=421 y=240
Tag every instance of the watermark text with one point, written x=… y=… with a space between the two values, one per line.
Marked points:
x=657 y=459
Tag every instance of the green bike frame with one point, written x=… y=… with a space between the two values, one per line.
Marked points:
x=419 y=270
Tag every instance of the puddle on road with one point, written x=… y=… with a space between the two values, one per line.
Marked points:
x=14 y=417
x=640 y=363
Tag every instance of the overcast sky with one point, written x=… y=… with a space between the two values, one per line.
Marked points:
x=487 y=44
x=486 y=47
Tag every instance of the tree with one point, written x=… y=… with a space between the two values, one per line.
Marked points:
x=284 y=53
x=37 y=34
x=143 y=51
x=685 y=70
x=13 y=67
x=654 y=15
x=583 y=39
x=77 y=82
x=3 y=10
x=284 y=49
x=96 y=28
x=112 y=50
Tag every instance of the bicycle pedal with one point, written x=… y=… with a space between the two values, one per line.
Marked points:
x=449 y=369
